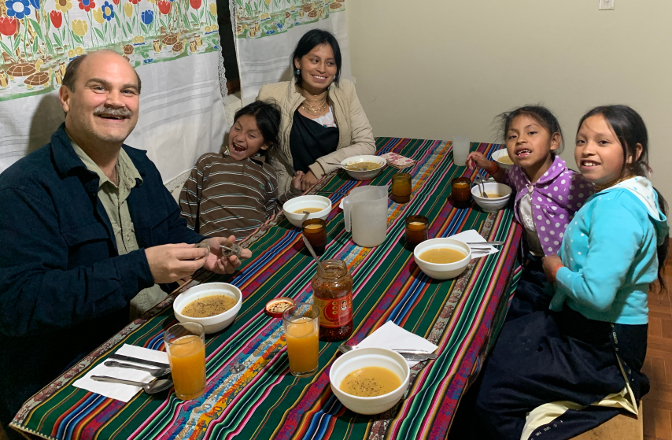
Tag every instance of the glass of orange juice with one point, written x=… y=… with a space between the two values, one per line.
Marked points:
x=185 y=345
x=302 y=330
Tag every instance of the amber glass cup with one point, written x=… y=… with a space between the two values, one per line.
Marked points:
x=416 y=230
x=315 y=231
x=461 y=192
x=402 y=186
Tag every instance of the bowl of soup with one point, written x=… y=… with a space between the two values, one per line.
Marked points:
x=498 y=196
x=369 y=380
x=442 y=258
x=213 y=305
x=317 y=206
x=363 y=167
x=502 y=158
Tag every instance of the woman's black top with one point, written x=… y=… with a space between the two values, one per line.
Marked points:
x=308 y=141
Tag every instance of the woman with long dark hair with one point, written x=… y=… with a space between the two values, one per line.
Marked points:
x=322 y=121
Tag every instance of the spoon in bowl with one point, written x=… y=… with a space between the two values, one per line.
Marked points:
x=156 y=372
x=150 y=388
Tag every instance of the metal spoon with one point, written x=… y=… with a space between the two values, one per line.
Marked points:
x=351 y=166
x=150 y=388
x=482 y=188
x=156 y=372
x=312 y=252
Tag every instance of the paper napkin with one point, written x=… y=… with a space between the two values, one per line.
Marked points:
x=391 y=336
x=398 y=161
x=116 y=390
x=471 y=236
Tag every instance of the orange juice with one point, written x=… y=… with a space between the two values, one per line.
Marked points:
x=302 y=345
x=187 y=363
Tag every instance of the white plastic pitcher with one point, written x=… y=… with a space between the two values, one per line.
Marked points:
x=365 y=212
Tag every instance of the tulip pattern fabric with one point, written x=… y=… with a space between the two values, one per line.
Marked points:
x=265 y=60
x=173 y=44
x=39 y=37
x=261 y=18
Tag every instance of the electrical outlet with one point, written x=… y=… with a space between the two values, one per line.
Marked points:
x=607 y=4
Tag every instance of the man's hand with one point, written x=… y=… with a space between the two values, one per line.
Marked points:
x=551 y=264
x=308 y=180
x=172 y=262
x=216 y=262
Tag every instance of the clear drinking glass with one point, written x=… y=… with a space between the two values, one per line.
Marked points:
x=185 y=345
x=302 y=329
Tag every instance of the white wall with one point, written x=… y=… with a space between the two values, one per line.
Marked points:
x=434 y=68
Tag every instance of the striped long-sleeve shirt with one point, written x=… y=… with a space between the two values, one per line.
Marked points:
x=224 y=196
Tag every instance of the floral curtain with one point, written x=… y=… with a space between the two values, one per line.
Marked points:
x=266 y=60
x=261 y=18
x=165 y=40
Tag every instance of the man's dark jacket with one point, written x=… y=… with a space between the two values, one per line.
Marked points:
x=64 y=289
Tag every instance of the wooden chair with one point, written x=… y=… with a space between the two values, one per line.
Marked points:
x=621 y=427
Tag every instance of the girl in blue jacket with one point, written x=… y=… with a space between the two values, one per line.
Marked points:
x=554 y=374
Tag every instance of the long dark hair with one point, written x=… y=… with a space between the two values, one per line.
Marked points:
x=539 y=113
x=267 y=116
x=313 y=38
x=629 y=128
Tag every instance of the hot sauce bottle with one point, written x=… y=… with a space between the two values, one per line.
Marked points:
x=332 y=292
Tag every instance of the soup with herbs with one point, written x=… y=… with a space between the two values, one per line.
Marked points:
x=209 y=306
x=311 y=210
x=442 y=256
x=370 y=382
x=505 y=160
x=363 y=166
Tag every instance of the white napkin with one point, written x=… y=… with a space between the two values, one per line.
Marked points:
x=391 y=336
x=471 y=236
x=116 y=390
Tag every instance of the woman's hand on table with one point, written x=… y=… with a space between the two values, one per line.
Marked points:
x=308 y=180
x=551 y=265
x=297 y=180
x=216 y=262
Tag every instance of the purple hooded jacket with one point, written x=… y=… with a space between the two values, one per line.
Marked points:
x=556 y=196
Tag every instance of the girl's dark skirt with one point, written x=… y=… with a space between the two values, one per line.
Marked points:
x=533 y=293
x=545 y=357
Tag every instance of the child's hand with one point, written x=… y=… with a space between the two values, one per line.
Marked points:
x=551 y=264
x=308 y=181
x=296 y=180
x=476 y=158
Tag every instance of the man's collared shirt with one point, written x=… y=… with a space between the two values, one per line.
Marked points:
x=114 y=200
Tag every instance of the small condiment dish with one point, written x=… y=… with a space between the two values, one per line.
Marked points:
x=492 y=204
x=498 y=155
x=369 y=357
x=442 y=271
x=363 y=175
x=302 y=202
x=211 y=324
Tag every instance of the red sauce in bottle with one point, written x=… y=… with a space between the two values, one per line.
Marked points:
x=332 y=292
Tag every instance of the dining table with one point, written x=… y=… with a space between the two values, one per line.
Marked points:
x=250 y=393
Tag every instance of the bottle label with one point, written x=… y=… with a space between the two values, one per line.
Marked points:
x=334 y=312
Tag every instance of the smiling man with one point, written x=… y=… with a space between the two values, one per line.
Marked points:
x=87 y=228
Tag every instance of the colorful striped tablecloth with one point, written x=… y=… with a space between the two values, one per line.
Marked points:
x=264 y=401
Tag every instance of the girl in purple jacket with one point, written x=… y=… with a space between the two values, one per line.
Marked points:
x=547 y=195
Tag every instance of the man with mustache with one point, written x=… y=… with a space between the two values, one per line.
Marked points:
x=86 y=225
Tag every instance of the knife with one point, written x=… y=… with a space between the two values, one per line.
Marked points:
x=121 y=357
x=410 y=355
